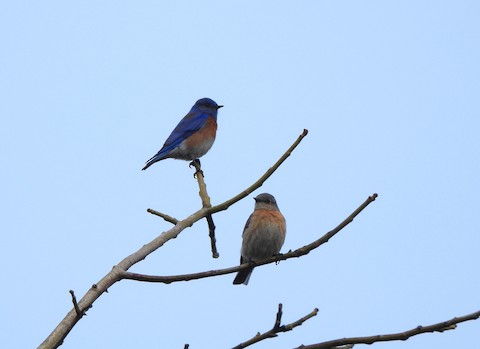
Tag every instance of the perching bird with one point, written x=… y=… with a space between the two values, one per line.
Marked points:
x=194 y=135
x=263 y=235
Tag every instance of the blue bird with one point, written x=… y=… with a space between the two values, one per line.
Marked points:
x=194 y=135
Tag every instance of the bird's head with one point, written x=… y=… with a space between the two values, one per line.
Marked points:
x=265 y=200
x=206 y=105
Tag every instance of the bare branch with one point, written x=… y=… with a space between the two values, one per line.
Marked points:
x=401 y=336
x=292 y=254
x=300 y=321
x=276 y=328
x=225 y=205
x=206 y=204
x=166 y=217
x=211 y=234
x=55 y=339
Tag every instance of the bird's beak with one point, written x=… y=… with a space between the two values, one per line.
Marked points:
x=220 y=106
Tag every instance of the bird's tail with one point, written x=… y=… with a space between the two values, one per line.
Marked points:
x=151 y=161
x=147 y=165
x=243 y=276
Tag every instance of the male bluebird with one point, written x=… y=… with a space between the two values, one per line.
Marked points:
x=263 y=235
x=194 y=135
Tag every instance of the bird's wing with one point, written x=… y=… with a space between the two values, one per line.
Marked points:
x=191 y=123
x=247 y=224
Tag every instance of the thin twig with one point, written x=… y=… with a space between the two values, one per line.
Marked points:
x=276 y=329
x=292 y=254
x=211 y=234
x=300 y=321
x=206 y=204
x=401 y=336
x=278 y=318
x=75 y=304
x=166 y=217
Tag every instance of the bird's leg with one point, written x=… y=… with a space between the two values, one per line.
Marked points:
x=277 y=256
x=198 y=167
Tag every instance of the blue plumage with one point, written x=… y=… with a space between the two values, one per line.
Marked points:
x=193 y=136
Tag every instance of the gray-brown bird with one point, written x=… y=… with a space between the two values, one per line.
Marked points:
x=263 y=235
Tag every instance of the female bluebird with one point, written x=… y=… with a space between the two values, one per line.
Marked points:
x=263 y=235
x=194 y=135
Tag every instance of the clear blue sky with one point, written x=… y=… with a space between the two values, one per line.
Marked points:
x=389 y=92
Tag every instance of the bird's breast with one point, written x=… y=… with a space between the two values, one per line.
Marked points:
x=265 y=235
x=200 y=142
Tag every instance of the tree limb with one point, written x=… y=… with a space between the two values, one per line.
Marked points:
x=401 y=336
x=55 y=339
x=292 y=254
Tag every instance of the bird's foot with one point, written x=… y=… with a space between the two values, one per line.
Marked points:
x=198 y=167
x=195 y=163
x=277 y=257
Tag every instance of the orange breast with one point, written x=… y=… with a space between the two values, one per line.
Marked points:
x=206 y=134
x=268 y=216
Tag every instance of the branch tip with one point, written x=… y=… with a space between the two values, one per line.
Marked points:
x=75 y=304
x=166 y=217
x=225 y=205
x=278 y=319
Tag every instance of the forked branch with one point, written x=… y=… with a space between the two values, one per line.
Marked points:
x=55 y=339
x=277 y=328
x=206 y=204
x=292 y=254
